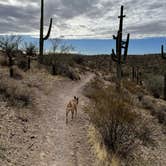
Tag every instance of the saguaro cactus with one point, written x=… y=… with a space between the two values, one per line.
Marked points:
x=163 y=55
x=162 y=52
x=120 y=56
x=42 y=38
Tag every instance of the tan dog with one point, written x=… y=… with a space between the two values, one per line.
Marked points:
x=72 y=107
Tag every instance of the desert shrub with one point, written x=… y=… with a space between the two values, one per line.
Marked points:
x=133 y=88
x=161 y=115
x=110 y=77
x=50 y=59
x=91 y=87
x=17 y=73
x=22 y=63
x=146 y=133
x=78 y=59
x=147 y=103
x=113 y=117
x=72 y=74
x=158 y=111
x=62 y=63
x=15 y=92
x=3 y=61
x=66 y=71
x=121 y=125
x=154 y=84
x=91 y=65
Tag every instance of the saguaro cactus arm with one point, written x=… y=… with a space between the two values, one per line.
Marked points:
x=114 y=57
x=49 y=30
x=126 y=47
x=42 y=39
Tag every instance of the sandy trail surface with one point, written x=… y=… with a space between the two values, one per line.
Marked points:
x=61 y=144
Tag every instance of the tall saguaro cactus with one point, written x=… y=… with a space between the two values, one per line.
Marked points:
x=42 y=38
x=164 y=57
x=121 y=48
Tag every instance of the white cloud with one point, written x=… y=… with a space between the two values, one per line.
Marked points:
x=85 y=18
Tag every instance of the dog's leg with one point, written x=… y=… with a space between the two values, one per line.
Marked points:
x=75 y=111
x=67 y=112
x=72 y=114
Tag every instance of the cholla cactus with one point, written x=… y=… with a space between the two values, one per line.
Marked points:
x=42 y=38
x=121 y=45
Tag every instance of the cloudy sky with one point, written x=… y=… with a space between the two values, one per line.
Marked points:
x=84 y=18
x=86 y=21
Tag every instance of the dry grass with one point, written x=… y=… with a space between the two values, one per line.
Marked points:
x=113 y=117
x=103 y=159
x=133 y=88
x=17 y=93
x=90 y=88
x=157 y=108
x=119 y=127
x=41 y=80
x=154 y=84
x=17 y=73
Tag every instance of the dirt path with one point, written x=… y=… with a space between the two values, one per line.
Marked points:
x=61 y=144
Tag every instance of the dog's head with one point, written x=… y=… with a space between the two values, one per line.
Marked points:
x=76 y=99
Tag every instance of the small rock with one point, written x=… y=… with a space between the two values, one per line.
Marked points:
x=72 y=153
x=32 y=137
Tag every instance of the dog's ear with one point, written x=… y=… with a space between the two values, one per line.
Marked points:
x=75 y=97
